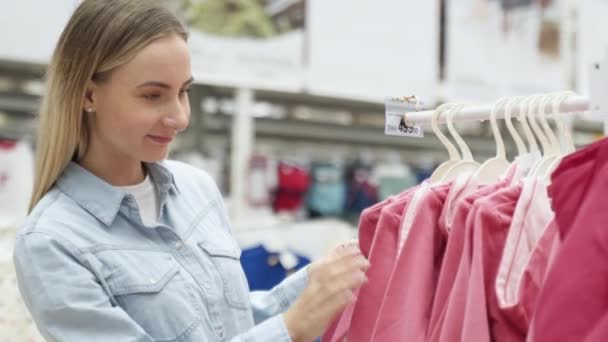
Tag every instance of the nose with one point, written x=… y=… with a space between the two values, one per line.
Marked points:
x=179 y=118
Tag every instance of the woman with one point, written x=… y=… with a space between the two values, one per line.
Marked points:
x=122 y=246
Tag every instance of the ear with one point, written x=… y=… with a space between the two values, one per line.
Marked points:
x=88 y=101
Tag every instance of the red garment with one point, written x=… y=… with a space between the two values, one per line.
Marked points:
x=489 y=223
x=381 y=254
x=7 y=145
x=574 y=297
x=454 y=252
x=293 y=182
x=406 y=307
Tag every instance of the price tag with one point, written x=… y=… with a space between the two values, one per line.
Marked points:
x=395 y=122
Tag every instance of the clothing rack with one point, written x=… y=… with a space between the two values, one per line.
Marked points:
x=573 y=104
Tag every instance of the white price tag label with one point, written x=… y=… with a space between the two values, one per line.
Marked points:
x=395 y=121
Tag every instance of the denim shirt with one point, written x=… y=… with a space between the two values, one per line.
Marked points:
x=90 y=270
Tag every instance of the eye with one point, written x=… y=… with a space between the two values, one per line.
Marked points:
x=184 y=91
x=152 y=96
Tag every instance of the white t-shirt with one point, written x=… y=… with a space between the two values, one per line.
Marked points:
x=146 y=198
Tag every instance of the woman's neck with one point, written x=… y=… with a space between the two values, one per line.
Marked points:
x=116 y=170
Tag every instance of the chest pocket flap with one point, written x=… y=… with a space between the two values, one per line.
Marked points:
x=149 y=287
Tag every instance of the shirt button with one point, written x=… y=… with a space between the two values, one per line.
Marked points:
x=178 y=246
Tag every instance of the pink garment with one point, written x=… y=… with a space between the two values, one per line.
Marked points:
x=406 y=307
x=367 y=227
x=531 y=244
x=521 y=314
x=574 y=298
x=382 y=258
x=599 y=332
x=454 y=249
x=488 y=225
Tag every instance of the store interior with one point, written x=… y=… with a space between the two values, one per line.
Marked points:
x=289 y=113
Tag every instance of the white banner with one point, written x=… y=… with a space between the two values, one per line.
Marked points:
x=501 y=48
x=374 y=49
x=353 y=49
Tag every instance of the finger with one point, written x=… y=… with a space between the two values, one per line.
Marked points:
x=348 y=281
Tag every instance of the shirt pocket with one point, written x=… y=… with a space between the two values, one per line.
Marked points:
x=226 y=259
x=149 y=286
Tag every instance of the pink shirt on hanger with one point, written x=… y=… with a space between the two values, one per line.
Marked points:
x=518 y=315
x=599 y=333
x=454 y=250
x=367 y=228
x=574 y=298
x=525 y=259
x=383 y=260
x=406 y=307
x=489 y=223
x=382 y=257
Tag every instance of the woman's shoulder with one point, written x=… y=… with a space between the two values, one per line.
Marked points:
x=55 y=214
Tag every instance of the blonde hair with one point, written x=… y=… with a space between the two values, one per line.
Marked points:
x=100 y=36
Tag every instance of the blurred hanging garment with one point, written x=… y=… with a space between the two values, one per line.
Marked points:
x=327 y=193
x=261 y=179
x=292 y=184
x=362 y=192
x=393 y=178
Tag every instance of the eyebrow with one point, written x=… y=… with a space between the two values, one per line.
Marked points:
x=162 y=84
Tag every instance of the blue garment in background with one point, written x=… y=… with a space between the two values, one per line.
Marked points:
x=264 y=270
x=327 y=194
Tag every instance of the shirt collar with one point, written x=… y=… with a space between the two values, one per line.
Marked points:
x=100 y=198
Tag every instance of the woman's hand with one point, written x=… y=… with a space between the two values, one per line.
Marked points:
x=331 y=285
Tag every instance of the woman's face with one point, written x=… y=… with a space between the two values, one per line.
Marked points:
x=143 y=104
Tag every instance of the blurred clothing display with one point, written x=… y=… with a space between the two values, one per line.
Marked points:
x=264 y=269
x=327 y=193
x=361 y=191
x=293 y=182
x=261 y=180
x=392 y=178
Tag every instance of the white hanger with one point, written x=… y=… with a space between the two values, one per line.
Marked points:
x=524 y=107
x=493 y=168
x=519 y=143
x=531 y=115
x=564 y=134
x=564 y=131
x=552 y=151
x=453 y=153
x=555 y=148
x=467 y=165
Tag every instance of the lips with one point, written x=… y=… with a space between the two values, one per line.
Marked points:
x=162 y=140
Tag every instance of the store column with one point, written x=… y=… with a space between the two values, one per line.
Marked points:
x=242 y=143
